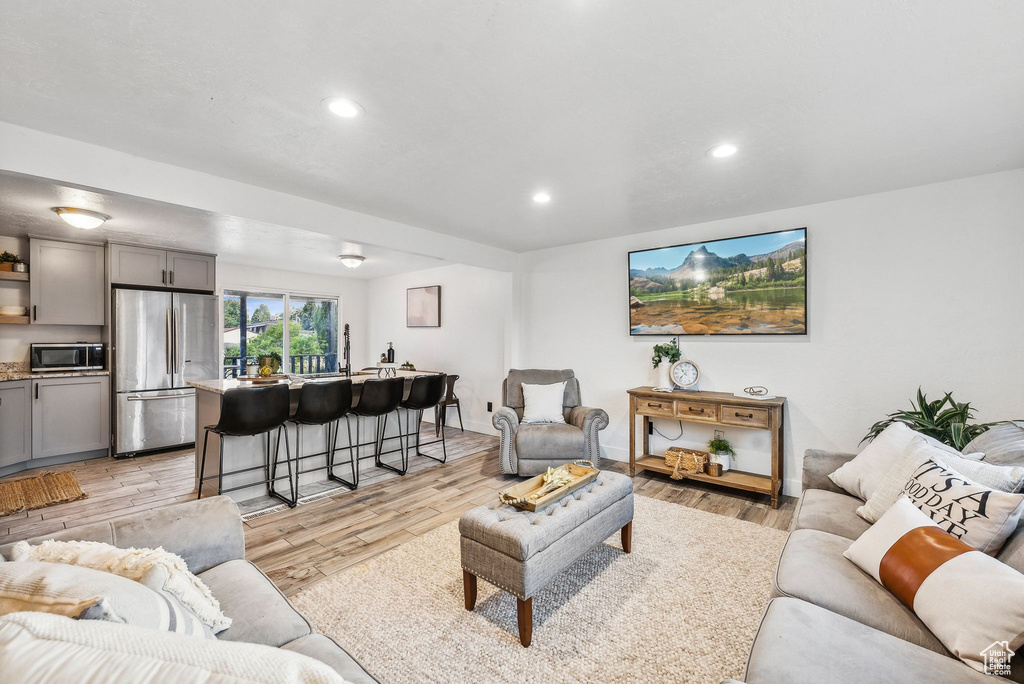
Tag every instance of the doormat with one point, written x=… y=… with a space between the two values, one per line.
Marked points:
x=39 y=491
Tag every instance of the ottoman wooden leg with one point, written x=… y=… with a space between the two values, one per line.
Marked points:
x=627 y=537
x=524 y=612
x=469 y=587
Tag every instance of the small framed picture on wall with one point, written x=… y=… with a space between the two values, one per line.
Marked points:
x=423 y=307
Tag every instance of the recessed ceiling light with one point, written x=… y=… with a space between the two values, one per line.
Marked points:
x=346 y=109
x=723 y=150
x=81 y=218
x=351 y=260
x=542 y=197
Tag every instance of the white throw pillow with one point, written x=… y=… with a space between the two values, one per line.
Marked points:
x=543 y=403
x=38 y=647
x=132 y=564
x=969 y=600
x=861 y=475
x=919 y=451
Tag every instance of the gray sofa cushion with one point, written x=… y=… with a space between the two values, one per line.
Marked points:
x=1002 y=444
x=553 y=441
x=829 y=512
x=522 y=534
x=812 y=568
x=260 y=612
x=327 y=651
x=801 y=643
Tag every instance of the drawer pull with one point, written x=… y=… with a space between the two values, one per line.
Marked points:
x=746 y=415
x=693 y=410
x=651 y=405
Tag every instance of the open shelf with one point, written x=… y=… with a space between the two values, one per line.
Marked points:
x=738 y=479
x=11 y=275
x=14 y=320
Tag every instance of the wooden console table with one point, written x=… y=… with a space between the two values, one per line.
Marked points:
x=715 y=408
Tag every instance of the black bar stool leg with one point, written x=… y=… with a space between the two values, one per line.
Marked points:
x=273 y=470
x=333 y=447
x=401 y=447
x=202 y=464
x=220 y=471
x=444 y=449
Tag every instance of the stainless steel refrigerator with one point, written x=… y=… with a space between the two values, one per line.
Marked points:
x=161 y=341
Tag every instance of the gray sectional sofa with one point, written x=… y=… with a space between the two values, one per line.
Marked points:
x=831 y=622
x=208 y=535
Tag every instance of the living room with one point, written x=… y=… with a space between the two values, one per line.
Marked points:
x=403 y=260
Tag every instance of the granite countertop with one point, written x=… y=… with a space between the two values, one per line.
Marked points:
x=20 y=371
x=222 y=385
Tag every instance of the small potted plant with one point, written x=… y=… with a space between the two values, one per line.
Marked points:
x=664 y=356
x=721 y=451
x=8 y=260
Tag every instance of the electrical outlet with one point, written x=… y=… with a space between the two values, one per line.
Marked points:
x=650 y=428
x=490 y=407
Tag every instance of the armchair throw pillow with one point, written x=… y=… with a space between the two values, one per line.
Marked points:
x=543 y=403
x=969 y=600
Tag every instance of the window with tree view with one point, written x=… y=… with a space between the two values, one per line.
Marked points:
x=257 y=331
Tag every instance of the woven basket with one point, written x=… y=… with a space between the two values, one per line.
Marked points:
x=685 y=461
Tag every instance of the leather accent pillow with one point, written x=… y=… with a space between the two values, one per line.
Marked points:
x=543 y=403
x=862 y=474
x=919 y=451
x=967 y=599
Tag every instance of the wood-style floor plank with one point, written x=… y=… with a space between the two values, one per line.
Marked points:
x=298 y=547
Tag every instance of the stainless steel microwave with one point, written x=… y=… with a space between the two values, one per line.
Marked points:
x=58 y=356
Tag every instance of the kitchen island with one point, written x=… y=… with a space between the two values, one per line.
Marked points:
x=248 y=452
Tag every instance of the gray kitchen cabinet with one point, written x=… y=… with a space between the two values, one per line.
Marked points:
x=154 y=267
x=131 y=265
x=15 y=422
x=67 y=283
x=192 y=271
x=70 y=415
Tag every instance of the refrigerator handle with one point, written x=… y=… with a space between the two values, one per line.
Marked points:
x=175 y=334
x=167 y=338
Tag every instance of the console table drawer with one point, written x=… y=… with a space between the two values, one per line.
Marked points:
x=695 y=410
x=655 y=407
x=747 y=416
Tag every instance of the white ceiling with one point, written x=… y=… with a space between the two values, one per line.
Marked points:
x=472 y=106
x=26 y=204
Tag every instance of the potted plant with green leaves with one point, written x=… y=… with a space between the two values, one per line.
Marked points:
x=721 y=451
x=664 y=356
x=944 y=419
x=8 y=260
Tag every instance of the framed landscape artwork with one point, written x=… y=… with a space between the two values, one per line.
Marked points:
x=423 y=307
x=749 y=285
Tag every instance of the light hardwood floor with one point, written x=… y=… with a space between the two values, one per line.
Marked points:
x=300 y=546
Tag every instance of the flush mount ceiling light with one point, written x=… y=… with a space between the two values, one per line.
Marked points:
x=346 y=109
x=541 y=197
x=723 y=150
x=81 y=218
x=351 y=260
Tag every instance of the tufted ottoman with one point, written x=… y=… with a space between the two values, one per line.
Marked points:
x=521 y=552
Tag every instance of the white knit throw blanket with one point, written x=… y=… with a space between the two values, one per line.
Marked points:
x=132 y=564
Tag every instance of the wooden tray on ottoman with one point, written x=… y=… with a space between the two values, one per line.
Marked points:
x=581 y=475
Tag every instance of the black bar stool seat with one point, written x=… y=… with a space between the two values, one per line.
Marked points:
x=325 y=403
x=377 y=399
x=247 y=412
x=426 y=392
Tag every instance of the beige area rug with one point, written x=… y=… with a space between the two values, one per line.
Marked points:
x=39 y=491
x=683 y=607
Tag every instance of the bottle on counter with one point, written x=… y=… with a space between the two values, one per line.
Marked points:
x=391 y=353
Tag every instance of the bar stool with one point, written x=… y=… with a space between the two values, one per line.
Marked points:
x=441 y=410
x=325 y=403
x=426 y=393
x=377 y=399
x=246 y=413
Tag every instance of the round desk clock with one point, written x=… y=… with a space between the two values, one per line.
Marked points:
x=685 y=374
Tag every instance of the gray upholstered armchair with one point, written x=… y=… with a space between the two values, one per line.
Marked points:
x=529 y=449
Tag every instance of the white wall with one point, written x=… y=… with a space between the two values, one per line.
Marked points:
x=470 y=341
x=14 y=339
x=912 y=287
x=351 y=292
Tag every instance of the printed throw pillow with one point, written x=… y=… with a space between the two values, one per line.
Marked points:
x=133 y=564
x=970 y=601
x=88 y=594
x=1003 y=478
x=860 y=476
x=973 y=513
x=543 y=403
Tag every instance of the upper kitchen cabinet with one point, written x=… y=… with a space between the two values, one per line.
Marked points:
x=67 y=283
x=153 y=267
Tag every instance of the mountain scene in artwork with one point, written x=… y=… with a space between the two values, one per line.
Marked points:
x=747 y=285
